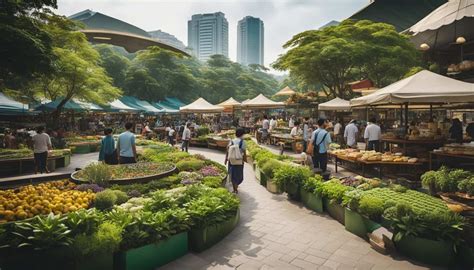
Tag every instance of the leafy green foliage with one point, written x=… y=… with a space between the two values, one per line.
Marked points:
x=122 y=197
x=84 y=221
x=291 y=174
x=190 y=164
x=351 y=199
x=105 y=240
x=444 y=179
x=212 y=181
x=269 y=167
x=311 y=184
x=163 y=183
x=105 y=200
x=467 y=186
x=333 y=190
x=97 y=173
x=372 y=207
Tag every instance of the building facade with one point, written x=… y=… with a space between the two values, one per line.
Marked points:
x=250 y=41
x=208 y=34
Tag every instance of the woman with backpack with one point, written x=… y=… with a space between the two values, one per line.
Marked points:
x=236 y=156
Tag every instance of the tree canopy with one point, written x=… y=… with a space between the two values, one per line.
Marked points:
x=353 y=50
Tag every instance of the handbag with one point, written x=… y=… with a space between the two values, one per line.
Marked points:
x=312 y=147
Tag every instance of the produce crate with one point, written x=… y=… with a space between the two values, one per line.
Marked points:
x=354 y=223
x=427 y=251
x=154 y=255
x=201 y=239
x=312 y=201
x=335 y=210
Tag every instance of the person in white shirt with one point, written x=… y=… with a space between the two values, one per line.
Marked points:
x=372 y=135
x=338 y=131
x=186 y=137
x=265 y=128
x=306 y=133
x=171 y=135
x=273 y=123
x=350 y=134
x=291 y=123
x=41 y=146
x=295 y=130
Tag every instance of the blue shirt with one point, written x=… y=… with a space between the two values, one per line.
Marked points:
x=107 y=147
x=125 y=141
x=323 y=146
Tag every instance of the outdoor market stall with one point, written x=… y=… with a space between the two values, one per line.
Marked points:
x=226 y=120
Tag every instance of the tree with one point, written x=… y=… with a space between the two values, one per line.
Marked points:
x=77 y=72
x=25 y=48
x=114 y=63
x=337 y=55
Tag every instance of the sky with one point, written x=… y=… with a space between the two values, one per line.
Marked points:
x=282 y=18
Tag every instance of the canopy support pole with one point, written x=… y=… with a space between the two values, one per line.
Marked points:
x=431 y=112
x=401 y=115
x=406 y=118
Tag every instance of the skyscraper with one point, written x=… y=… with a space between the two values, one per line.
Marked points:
x=208 y=34
x=250 y=41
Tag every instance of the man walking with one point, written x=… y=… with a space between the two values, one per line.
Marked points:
x=372 y=135
x=126 y=147
x=41 y=146
x=186 y=137
x=350 y=134
x=321 y=140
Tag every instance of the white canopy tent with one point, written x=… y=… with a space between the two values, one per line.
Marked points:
x=337 y=104
x=230 y=103
x=119 y=105
x=262 y=102
x=201 y=105
x=425 y=87
x=287 y=91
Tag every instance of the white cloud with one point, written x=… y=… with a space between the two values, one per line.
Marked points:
x=282 y=18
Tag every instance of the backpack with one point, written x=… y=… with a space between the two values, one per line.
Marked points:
x=235 y=154
x=316 y=145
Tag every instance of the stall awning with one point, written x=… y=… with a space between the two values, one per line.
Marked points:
x=8 y=105
x=337 y=104
x=89 y=106
x=120 y=106
x=141 y=105
x=287 y=91
x=164 y=108
x=51 y=106
x=262 y=102
x=174 y=102
x=230 y=103
x=201 y=106
x=425 y=87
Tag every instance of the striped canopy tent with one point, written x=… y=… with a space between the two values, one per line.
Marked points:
x=337 y=104
x=89 y=106
x=140 y=105
x=262 y=102
x=119 y=106
x=287 y=91
x=174 y=102
x=201 y=105
x=10 y=106
x=164 y=108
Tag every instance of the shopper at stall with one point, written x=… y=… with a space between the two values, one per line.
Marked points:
x=171 y=135
x=186 y=137
x=338 y=132
x=265 y=128
x=41 y=146
x=9 y=141
x=236 y=156
x=295 y=130
x=291 y=122
x=321 y=140
x=455 y=131
x=107 y=148
x=372 y=135
x=273 y=124
x=350 y=134
x=306 y=133
x=126 y=148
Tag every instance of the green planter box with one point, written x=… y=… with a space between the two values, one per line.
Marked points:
x=273 y=188
x=335 y=210
x=94 y=147
x=293 y=191
x=82 y=149
x=312 y=201
x=355 y=223
x=51 y=164
x=96 y=262
x=67 y=160
x=467 y=256
x=426 y=251
x=263 y=179
x=154 y=255
x=201 y=239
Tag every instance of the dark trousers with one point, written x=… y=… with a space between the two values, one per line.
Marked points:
x=41 y=161
x=305 y=145
x=171 y=140
x=127 y=160
x=373 y=145
x=111 y=159
x=320 y=161
x=185 y=145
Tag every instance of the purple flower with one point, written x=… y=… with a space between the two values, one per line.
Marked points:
x=210 y=171
x=92 y=187
x=187 y=182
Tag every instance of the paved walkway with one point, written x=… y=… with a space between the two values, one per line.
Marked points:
x=275 y=233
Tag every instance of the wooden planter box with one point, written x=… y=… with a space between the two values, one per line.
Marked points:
x=272 y=187
x=312 y=201
x=81 y=149
x=154 y=255
x=426 y=251
x=335 y=210
x=201 y=239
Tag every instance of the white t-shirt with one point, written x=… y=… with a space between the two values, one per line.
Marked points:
x=294 y=131
x=372 y=132
x=351 y=134
x=273 y=123
x=337 y=128
x=266 y=124
x=186 y=134
x=171 y=132
x=41 y=143
x=291 y=123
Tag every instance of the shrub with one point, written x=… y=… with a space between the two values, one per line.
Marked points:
x=467 y=186
x=202 y=131
x=97 y=173
x=263 y=156
x=122 y=197
x=92 y=187
x=291 y=174
x=270 y=166
x=311 y=184
x=398 y=188
x=212 y=181
x=333 y=190
x=190 y=165
x=134 y=193
x=351 y=199
x=105 y=200
x=371 y=207
x=105 y=240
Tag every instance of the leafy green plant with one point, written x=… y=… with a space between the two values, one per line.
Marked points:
x=212 y=181
x=351 y=199
x=105 y=240
x=372 y=207
x=191 y=164
x=105 y=200
x=311 y=184
x=83 y=221
x=202 y=131
x=122 y=197
x=97 y=173
x=333 y=190
x=160 y=200
x=467 y=186
x=291 y=174
x=269 y=166
x=398 y=188
x=263 y=156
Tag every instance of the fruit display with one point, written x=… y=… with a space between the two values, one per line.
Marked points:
x=458 y=149
x=56 y=197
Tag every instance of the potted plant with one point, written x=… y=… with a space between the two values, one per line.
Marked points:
x=361 y=212
x=333 y=193
x=290 y=177
x=310 y=197
x=268 y=169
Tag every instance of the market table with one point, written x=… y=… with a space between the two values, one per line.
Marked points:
x=430 y=143
x=438 y=154
x=287 y=139
x=365 y=163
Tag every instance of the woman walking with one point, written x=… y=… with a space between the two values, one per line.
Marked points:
x=236 y=156
x=107 y=152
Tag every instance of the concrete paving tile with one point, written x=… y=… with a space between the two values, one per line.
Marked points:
x=304 y=264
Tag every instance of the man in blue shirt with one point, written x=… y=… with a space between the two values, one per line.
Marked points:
x=126 y=148
x=321 y=139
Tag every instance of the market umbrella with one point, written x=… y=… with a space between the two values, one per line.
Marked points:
x=262 y=102
x=231 y=102
x=445 y=25
x=425 y=87
x=337 y=104
x=201 y=105
x=287 y=91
